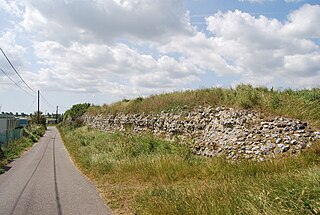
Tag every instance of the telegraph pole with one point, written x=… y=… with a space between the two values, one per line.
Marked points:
x=57 y=114
x=38 y=107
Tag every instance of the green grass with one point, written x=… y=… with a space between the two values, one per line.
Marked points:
x=14 y=149
x=143 y=174
x=300 y=104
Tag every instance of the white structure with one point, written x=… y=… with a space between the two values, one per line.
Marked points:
x=8 y=123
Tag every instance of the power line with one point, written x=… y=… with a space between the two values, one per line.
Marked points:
x=15 y=82
x=6 y=83
x=32 y=103
x=4 y=54
x=45 y=100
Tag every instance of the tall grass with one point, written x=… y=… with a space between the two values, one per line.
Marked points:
x=143 y=174
x=300 y=104
x=14 y=149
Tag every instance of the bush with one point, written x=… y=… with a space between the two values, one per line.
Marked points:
x=42 y=119
x=14 y=149
x=246 y=96
x=74 y=114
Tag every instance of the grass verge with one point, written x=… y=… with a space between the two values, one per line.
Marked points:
x=14 y=149
x=142 y=174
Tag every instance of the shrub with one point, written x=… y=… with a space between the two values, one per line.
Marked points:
x=74 y=114
x=32 y=133
x=246 y=96
x=42 y=119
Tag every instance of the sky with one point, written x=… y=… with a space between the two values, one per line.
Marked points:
x=102 y=51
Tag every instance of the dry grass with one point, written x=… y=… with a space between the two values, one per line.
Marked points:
x=301 y=104
x=141 y=174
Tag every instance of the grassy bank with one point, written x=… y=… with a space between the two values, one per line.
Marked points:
x=16 y=148
x=300 y=104
x=141 y=174
x=145 y=175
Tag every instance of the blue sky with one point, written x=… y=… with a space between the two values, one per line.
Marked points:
x=103 y=51
x=277 y=9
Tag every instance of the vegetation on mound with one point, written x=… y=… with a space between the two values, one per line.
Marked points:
x=14 y=149
x=76 y=111
x=299 y=104
x=143 y=174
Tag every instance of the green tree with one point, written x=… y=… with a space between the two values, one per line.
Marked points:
x=42 y=119
x=74 y=114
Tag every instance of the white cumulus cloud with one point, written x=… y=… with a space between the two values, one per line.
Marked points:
x=261 y=50
x=102 y=21
x=140 y=47
x=97 y=67
x=303 y=22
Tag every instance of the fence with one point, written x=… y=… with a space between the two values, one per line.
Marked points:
x=10 y=135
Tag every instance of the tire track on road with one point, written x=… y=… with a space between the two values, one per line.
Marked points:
x=55 y=177
x=25 y=186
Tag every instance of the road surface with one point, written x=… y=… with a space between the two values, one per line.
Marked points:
x=45 y=181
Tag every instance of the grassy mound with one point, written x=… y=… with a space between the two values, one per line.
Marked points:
x=300 y=104
x=142 y=174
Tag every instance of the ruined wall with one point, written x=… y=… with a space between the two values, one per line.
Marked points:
x=218 y=131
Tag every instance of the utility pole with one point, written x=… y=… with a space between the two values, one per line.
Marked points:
x=57 y=114
x=38 y=107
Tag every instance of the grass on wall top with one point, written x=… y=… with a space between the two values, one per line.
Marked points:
x=299 y=104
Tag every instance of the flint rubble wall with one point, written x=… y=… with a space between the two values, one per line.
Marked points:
x=235 y=134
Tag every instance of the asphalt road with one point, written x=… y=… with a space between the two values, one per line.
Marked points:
x=45 y=181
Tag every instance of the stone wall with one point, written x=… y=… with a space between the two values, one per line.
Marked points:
x=232 y=133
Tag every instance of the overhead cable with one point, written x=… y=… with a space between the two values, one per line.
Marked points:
x=15 y=82
x=45 y=100
x=4 y=54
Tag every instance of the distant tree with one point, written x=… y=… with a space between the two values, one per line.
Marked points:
x=34 y=119
x=17 y=114
x=75 y=112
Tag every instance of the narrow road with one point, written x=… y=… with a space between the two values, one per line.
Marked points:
x=45 y=181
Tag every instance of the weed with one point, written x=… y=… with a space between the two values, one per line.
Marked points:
x=16 y=148
x=146 y=175
x=300 y=104
x=143 y=174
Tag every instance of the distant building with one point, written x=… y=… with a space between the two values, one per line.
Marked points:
x=51 y=121
x=8 y=123
x=23 y=122
x=9 y=130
